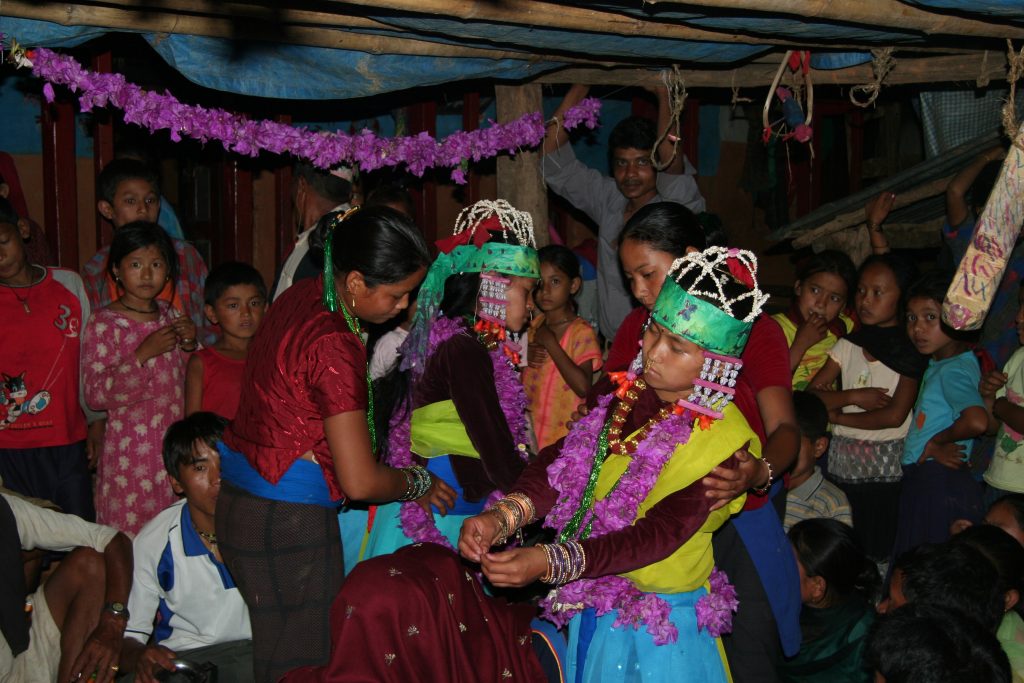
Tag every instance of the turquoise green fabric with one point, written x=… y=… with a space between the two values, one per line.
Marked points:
x=507 y=259
x=833 y=645
x=699 y=321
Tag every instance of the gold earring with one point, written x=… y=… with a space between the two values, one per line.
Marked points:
x=353 y=302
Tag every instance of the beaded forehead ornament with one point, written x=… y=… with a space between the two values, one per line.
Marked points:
x=703 y=314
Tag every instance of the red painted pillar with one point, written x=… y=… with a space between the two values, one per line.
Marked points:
x=471 y=121
x=236 y=232
x=103 y=146
x=284 y=214
x=60 y=183
x=423 y=117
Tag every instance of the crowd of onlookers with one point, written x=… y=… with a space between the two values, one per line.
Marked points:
x=118 y=384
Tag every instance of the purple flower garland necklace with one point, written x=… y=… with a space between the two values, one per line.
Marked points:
x=417 y=523
x=577 y=515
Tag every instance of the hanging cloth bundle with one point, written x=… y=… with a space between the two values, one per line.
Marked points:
x=794 y=125
x=978 y=275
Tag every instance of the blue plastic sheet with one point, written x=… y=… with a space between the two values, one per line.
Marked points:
x=297 y=72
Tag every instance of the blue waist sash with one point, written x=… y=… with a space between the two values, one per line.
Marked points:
x=303 y=482
x=441 y=467
x=772 y=555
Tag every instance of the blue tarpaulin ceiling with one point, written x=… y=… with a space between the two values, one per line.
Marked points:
x=524 y=47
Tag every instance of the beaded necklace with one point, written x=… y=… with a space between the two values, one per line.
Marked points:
x=609 y=440
x=371 y=422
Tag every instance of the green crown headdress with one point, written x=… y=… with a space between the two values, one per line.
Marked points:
x=703 y=313
x=469 y=251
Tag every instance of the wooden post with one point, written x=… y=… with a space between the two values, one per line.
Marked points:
x=60 y=182
x=519 y=177
x=102 y=146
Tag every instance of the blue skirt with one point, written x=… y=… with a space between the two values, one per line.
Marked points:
x=599 y=652
x=352 y=521
x=387 y=536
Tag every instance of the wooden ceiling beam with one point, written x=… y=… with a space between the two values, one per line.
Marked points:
x=886 y=13
x=538 y=14
x=876 y=13
x=956 y=68
x=292 y=31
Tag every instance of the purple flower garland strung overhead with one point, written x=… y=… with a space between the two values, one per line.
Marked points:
x=321 y=148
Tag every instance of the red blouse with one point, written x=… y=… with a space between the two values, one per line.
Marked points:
x=626 y=344
x=303 y=366
x=222 y=382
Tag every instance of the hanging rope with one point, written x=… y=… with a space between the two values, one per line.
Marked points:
x=736 y=99
x=676 y=86
x=882 y=62
x=1016 y=62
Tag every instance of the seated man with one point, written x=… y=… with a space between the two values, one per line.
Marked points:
x=72 y=626
x=184 y=603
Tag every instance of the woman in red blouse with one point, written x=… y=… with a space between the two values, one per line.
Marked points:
x=303 y=440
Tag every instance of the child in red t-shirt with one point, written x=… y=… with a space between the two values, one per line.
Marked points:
x=236 y=298
x=43 y=430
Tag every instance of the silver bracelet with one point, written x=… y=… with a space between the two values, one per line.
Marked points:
x=417 y=482
x=762 y=490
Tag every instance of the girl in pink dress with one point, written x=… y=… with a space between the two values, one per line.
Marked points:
x=133 y=367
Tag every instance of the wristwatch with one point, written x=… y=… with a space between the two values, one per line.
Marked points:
x=118 y=609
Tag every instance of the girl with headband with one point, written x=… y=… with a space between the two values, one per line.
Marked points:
x=463 y=413
x=624 y=492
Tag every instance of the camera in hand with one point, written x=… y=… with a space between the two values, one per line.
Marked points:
x=186 y=671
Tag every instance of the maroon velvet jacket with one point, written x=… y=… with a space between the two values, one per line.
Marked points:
x=460 y=370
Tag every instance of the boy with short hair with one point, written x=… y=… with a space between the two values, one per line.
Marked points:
x=810 y=494
x=236 y=299
x=128 y=190
x=44 y=450
x=183 y=602
x=932 y=644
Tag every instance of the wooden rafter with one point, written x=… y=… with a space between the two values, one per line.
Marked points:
x=940 y=69
x=876 y=13
x=293 y=27
x=554 y=15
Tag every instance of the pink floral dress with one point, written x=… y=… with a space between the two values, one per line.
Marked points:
x=141 y=402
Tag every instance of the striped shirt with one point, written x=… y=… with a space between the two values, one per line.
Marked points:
x=816 y=498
